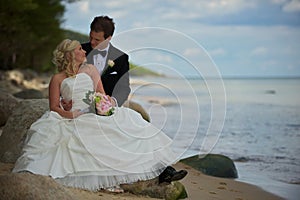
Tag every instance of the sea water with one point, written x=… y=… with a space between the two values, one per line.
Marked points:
x=255 y=122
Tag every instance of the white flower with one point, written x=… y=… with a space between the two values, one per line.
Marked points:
x=91 y=97
x=110 y=63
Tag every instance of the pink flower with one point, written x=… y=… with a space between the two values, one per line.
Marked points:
x=103 y=105
x=99 y=102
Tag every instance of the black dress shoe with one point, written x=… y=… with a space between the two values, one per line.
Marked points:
x=170 y=174
x=179 y=175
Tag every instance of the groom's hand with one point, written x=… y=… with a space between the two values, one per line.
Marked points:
x=67 y=105
x=112 y=101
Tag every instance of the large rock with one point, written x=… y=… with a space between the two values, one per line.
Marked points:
x=7 y=105
x=27 y=186
x=213 y=164
x=151 y=188
x=15 y=129
x=25 y=84
x=138 y=108
x=29 y=94
x=10 y=86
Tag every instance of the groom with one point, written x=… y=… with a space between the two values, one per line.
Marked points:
x=112 y=63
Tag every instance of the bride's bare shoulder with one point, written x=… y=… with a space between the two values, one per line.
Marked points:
x=87 y=68
x=58 y=77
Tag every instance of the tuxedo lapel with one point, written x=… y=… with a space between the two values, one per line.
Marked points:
x=106 y=65
x=112 y=54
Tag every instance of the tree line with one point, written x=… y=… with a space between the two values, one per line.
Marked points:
x=29 y=32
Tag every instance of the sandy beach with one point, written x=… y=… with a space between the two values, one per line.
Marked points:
x=198 y=186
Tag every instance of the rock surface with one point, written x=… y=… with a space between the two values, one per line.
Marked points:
x=29 y=94
x=151 y=188
x=7 y=105
x=213 y=164
x=15 y=81
x=15 y=129
x=27 y=186
x=137 y=107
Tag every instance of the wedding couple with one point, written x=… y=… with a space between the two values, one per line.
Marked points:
x=86 y=150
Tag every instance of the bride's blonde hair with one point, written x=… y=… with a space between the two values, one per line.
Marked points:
x=64 y=57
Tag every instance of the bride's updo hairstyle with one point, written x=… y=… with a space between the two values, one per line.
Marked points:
x=64 y=57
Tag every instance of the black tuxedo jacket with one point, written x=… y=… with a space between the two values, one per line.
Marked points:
x=115 y=79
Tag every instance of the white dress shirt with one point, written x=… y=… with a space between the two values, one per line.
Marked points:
x=99 y=60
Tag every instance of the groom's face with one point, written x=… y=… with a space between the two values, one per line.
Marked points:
x=96 y=38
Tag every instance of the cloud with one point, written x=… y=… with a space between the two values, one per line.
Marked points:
x=288 y=5
x=192 y=52
x=278 y=1
x=224 y=7
x=162 y=58
x=195 y=9
x=116 y=4
x=217 y=52
x=292 y=6
x=84 y=6
x=259 y=51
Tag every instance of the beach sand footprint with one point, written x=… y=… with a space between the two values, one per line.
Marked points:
x=222 y=186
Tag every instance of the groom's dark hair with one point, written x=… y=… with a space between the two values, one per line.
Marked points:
x=105 y=24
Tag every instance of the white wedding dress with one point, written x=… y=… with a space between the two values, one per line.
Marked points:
x=93 y=151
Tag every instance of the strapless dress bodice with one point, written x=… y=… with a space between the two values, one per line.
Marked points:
x=75 y=89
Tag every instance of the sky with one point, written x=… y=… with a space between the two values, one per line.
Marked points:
x=227 y=38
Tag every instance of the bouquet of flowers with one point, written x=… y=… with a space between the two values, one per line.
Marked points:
x=99 y=103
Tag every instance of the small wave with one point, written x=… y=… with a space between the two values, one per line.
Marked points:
x=241 y=159
x=294 y=181
x=296 y=126
x=247 y=159
x=270 y=91
x=280 y=157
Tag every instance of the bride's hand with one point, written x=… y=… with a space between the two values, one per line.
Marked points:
x=67 y=105
x=76 y=113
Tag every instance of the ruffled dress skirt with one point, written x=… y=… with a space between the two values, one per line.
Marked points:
x=93 y=151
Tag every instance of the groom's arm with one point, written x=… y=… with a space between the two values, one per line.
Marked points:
x=122 y=89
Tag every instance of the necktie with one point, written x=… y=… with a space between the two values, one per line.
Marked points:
x=103 y=53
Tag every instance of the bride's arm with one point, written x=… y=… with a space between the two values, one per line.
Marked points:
x=93 y=72
x=96 y=79
x=54 y=98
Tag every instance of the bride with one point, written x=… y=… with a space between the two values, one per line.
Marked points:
x=90 y=151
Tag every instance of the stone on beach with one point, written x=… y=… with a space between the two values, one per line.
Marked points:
x=213 y=164
x=138 y=108
x=28 y=186
x=29 y=94
x=151 y=188
x=7 y=105
x=15 y=129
